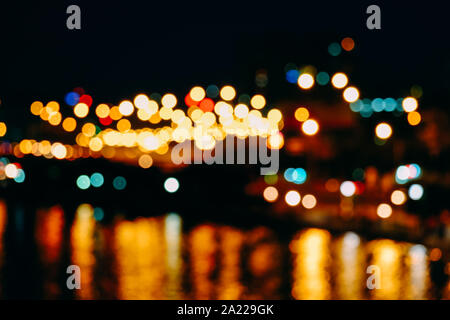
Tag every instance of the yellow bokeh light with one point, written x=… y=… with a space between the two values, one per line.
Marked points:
x=126 y=108
x=305 y=81
x=169 y=101
x=398 y=197
x=36 y=108
x=270 y=194
x=301 y=114
x=178 y=116
x=88 y=129
x=143 y=114
x=55 y=118
x=102 y=110
x=275 y=141
x=25 y=146
x=275 y=115
x=227 y=93
x=123 y=125
x=258 y=101
x=384 y=210
x=141 y=101
x=351 y=94
x=69 y=124
x=53 y=106
x=309 y=201
x=414 y=118
x=196 y=114
x=145 y=161
x=339 y=80
x=197 y=93
x=310 y=127
x=383 y=130
x=115 y=113
x=208 y=119
x=96 y=144
x=81 y=110
x=165 y=113
x=410 y=104
x=155 y=118
x=58 y=150
x=241 y=111
x=152 y=107
x=3 y=129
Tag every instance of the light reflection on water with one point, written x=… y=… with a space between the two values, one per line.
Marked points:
x=3 y=217
x=157 y=258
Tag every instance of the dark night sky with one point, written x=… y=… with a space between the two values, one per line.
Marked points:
x=132 y=46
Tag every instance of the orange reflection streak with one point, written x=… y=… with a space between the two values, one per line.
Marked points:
x=82 y=244
x=3 y=220
x=203 y=249
x=264 y=264
x=387 y=256
x=311 y=261
x=140 y=254
x=418 y=281
x=174 y=263
x=349 y=269
x=231 y=241
x=49 y=235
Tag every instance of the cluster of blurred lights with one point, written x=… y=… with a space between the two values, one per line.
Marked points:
x=297 y=176
x=309 y=126
x=12 y=171
x=335 y=49
x=367 y=107
x=205 y=121
x=96 y=180
x=292 y=198
x=406 y=173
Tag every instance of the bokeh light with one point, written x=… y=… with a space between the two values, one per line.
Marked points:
x=383 y=130
x=384 y=210
x=410 y=104
x=398 y=197
x=348 y=44
x=119 y=183
x=301 y=114
x=97 y=180
x=227 y=93
x=171 y=185
x=351 y=94
x=309 y=201
x=415 y=192
x=348 y=188
x=292 y=198
x=270 y=194
x=258 y=101
x=83 y=182
x=305 y=81
x=339 y=80
x=310 y=127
